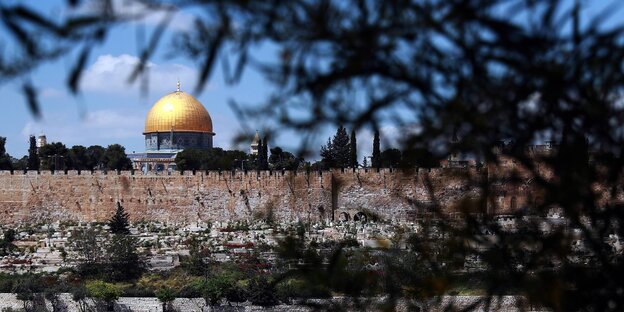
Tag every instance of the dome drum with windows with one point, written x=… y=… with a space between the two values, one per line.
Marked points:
x=177 y=121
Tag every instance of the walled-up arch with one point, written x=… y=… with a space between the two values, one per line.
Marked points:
x=513 y=204
x=360 y=217
x=344 y=217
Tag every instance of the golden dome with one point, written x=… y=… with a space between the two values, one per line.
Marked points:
x=178 y=111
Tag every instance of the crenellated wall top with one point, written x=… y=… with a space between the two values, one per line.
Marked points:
x=238 y=174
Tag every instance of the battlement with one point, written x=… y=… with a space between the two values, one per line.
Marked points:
x=188 y=197
x=238 y=173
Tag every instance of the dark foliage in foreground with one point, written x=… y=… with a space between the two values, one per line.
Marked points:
x=484 y=71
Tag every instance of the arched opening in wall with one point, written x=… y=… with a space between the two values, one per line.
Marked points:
x=321 y=211
x=360 y=217
x=538 y=206
x=499 y=204
x=513 y=204
x=539 y=201
x=344 y=217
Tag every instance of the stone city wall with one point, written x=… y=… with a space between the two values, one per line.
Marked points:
x=183 y=198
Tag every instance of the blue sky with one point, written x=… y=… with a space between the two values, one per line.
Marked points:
x=109 y=110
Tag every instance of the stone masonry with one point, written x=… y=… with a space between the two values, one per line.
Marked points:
x=186 y=198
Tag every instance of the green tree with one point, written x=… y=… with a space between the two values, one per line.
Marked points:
x=262 y=292
x=229 y=157
x=33 y=154
x=419 y=157
x=105 y=293
x=119 y=223
x=238 y=292
x=9 y=235
x=353 y=162
x=263 y=156
x=196 y=263
x=341 y=146
x=391 y=158
x=281 y=159
x=213 y=159
x=5 y=159
x=95 y=157
x=327 y=155
x=52 y=294
x=6 y=244
x=216 y=287
x=115 y=158
x=26 y=289
x=190 y=159
x=89 y=250
x=19 y=164
x=217 y=158
x=258 y=158
x=336 y=153
x=78 y=158
x=481 y=66
x=79 y=295
x=166 y=296
x=276 y=156
x=54 y=156
x=123 y=262
x=376 y=159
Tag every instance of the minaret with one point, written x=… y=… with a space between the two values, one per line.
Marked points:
x=41 y=141
x=173 y=123
x=255 y=144
x=454 y=156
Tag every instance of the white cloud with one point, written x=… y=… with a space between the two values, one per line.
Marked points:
x=106 y=126
x=180 y=21
x=117 y=124
x=226 y=130
x=47 y=93
x=109 y=74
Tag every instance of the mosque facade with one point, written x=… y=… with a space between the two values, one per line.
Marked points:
x=175 y=122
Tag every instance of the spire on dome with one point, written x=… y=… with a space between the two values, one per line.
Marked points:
x=178 y=85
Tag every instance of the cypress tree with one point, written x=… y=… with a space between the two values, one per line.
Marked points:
x=33 y=155
x=265 y=154
x=5 y=159
x=353 y=150
x=118 y=223
x=341 y=148
x=327 y=152
x=259 y=156
x=376 y=160
x=336 y=154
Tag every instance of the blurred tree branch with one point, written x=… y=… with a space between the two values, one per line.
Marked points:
x=484 y=70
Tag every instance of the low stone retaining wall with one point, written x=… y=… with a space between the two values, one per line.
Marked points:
x=127 y=304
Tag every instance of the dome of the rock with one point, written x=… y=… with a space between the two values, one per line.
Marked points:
x=178 y=121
